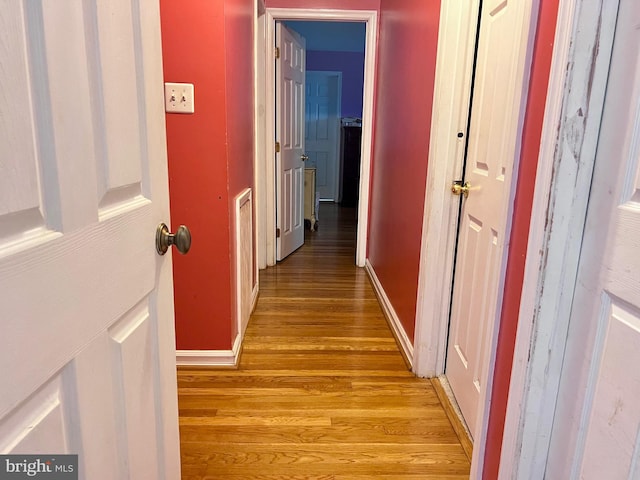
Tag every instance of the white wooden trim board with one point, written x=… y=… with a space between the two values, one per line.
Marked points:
x=211 y=358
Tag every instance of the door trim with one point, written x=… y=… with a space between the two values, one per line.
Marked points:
x=440 y=219
x=265 y=126
x=456 y=45
x=577 y=83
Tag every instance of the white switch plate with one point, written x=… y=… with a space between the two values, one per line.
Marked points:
x=178 y=97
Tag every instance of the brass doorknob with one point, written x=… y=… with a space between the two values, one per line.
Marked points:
x=164 y=239
x=304 y=157
x=459 y=189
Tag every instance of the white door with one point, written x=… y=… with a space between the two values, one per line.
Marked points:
x=483 y=228
x=322 y=130
x=596 y=433
x=87 y=357
x=290 y=80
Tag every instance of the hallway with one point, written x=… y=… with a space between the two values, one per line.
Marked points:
x=321 y=391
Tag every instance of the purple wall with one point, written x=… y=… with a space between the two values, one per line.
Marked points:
x=351 y=64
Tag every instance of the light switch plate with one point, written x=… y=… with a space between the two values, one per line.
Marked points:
x=178 y=98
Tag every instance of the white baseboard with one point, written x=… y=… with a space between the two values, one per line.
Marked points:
x=391 y=315
x=211 y=358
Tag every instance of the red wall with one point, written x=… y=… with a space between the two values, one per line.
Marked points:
x=335 y=4
x=520 y=231
x=404 y=96
x=240 y=128
x=238 y=49
x=210 y=158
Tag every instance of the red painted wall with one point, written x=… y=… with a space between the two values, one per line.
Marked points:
x=238 y=50
x=404 y=97
x=334 y=4
x=532 y=132
x=239 y=65
x=210 y=158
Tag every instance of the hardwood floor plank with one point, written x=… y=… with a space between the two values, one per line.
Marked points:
x=318 y=430
x=310 y=344
x=346 y=412
x=345 y=458
x=319 y=332
x=321 y=391
x=322 y=360
x=311 y=386
x=240 y=421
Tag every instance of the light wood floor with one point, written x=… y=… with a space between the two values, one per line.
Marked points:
x=321 y=391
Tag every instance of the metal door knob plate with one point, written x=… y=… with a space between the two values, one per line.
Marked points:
x=164 y=239
x=304 y=157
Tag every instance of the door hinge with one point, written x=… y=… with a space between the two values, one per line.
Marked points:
x=277 y=147
x=277 y=52
x=277 y=233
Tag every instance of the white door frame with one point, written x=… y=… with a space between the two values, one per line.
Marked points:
x=577 y=84
x=456 y=44
x=265 y=125
x=452 y=91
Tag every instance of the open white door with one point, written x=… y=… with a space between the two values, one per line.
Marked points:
x=87 y=364
x=290 y=85
x=493 y=139
x=596 y=431
x=322 y=130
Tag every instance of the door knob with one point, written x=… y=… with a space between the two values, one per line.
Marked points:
x=459 y=189
x=164 y=239
x=304 y=157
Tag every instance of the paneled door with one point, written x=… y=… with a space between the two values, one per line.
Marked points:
x=483 y=229
x=87 y=356
x=322 y=130
x=596 y=431
x=290 y=89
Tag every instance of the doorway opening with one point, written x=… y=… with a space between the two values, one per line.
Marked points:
x=311 y=61
x=333 y=105
x=265 y=171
